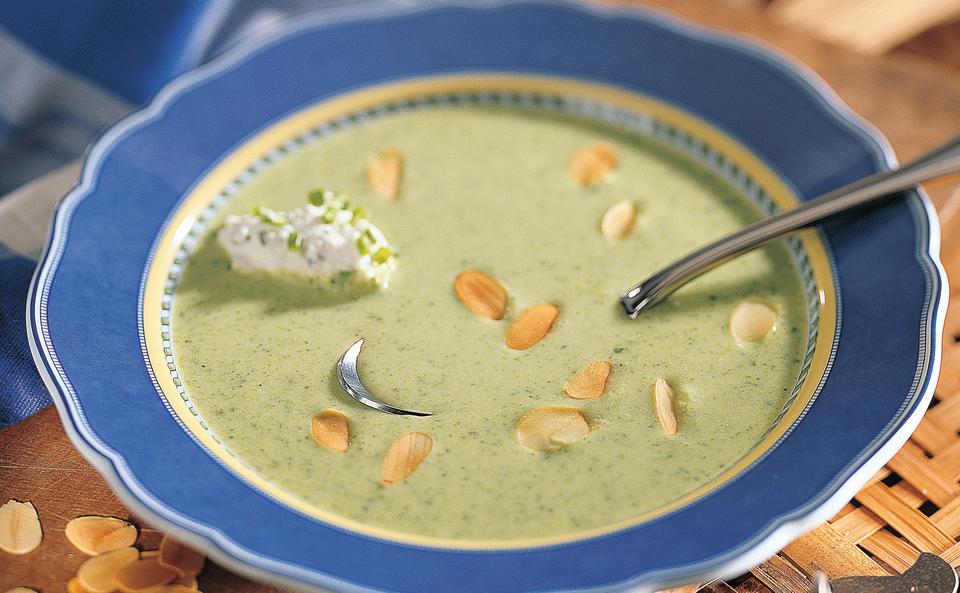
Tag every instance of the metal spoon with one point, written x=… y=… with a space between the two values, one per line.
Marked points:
x=350 y=381
x=942 y=161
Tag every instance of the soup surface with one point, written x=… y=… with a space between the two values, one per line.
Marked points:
x=488 y=188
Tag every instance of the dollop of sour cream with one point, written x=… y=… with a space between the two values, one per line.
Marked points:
x=327 y=236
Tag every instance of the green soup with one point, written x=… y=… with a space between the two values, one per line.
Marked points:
x=488 y=189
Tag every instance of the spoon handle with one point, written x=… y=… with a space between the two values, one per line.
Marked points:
x=942 y=161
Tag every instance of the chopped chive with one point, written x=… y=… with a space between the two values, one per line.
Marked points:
x=370 y=236
x=318 y=197
x=363 y=246
x=294 y=241
x=329 y=216
x=359 y=213
x=382 y=255
x=269 y=215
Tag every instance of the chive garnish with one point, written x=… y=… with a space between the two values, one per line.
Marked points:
x=359 y=213
x=329 y=216
x=269 y=215
x=382 y=255
x=294 y=241
x=363 y=246
x=318 y=197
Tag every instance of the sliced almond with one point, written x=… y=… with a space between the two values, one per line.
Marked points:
x=531 y=326
x=384 y=173
x=20 y=531
x=178 y=588
x=331 y=429
x=663 y=401
x=74 y=586
x=20 y=590
x=551 y=428
x=751 y=321
x=143 y=575
x=590 y=381
x=592 y=163
x=404 y=456
x=94 y=535
x=188 y=581
x=481 y=293
x=99 y=574
x=180 y=558
x=618 y=220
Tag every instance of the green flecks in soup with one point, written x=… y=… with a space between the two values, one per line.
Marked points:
x=490 y=190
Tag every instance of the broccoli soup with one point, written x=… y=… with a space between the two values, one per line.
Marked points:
x=480 y=251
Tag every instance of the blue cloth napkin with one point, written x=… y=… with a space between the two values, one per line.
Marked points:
x=67 y=71
x=21 y=391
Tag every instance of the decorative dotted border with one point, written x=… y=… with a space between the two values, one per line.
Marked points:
x=642 y=124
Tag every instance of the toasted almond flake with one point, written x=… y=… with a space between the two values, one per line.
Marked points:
x=751 y=321
x=663 y=404
x=143 y=575
x=74 y=586
x=180 y=558
x=177 y=588
x=94 y=535
x=98 y=574
x=116 y=539
x=20 y=531
x=481 y=293
x=20 y=590
x=531 y=326
x=618 y=220
x=404 y=456
x=188 y=581
x=589 y=381
x=551 y=427
x=592 y=163
x=384 y=173
x=331 y=429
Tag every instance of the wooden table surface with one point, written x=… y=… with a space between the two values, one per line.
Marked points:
x=915 y=103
